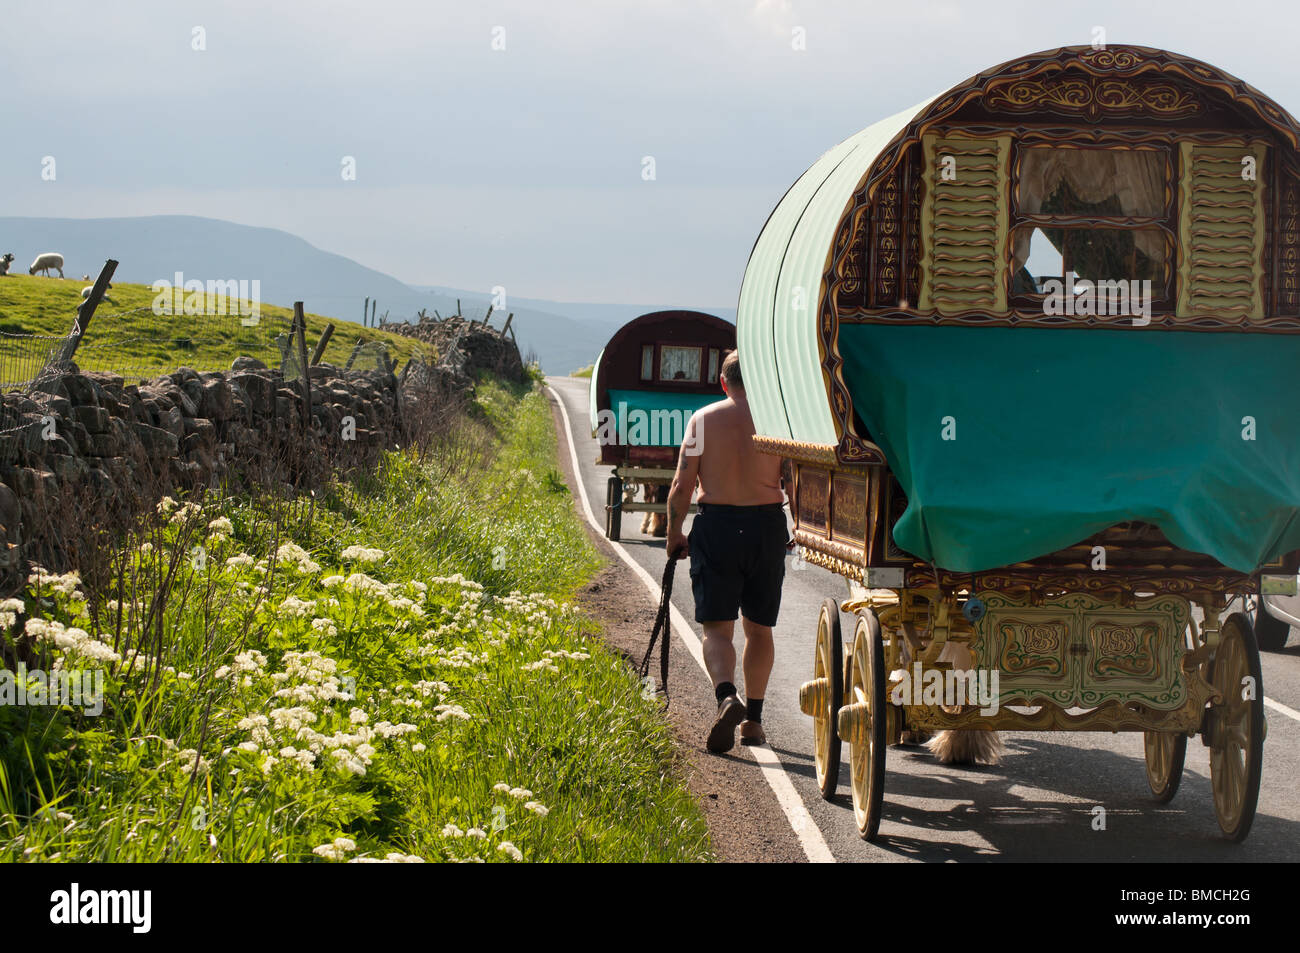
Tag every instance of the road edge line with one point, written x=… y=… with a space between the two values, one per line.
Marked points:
x=806 y=831
x=1283 y=709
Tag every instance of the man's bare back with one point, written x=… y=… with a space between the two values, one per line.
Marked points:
x=731 y=470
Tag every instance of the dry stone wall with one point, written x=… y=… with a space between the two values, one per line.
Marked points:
x=86 y=449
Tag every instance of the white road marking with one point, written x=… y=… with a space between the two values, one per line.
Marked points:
x=1279 y=707
x=805 y=828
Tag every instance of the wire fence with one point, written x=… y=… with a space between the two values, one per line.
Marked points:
x=138 y=344
x=24 y=356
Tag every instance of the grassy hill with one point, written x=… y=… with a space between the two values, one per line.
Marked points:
x=126 y=337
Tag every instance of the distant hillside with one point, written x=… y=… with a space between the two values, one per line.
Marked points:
x=563 y=335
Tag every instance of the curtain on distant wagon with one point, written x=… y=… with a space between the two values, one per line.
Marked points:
x=679 y=363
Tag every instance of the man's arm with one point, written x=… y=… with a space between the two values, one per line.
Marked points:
x=683 y=488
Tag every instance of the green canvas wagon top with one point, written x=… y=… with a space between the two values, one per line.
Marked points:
x=1060 y=298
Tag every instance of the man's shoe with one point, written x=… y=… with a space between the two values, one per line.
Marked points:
x=751 y=733
x=722 y=737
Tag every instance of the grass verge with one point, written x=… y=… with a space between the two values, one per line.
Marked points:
x=388 y=670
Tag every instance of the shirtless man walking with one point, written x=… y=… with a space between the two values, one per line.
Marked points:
x=737 y=548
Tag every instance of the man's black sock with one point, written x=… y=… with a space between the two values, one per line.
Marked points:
x=723 y=690
x=754 y=709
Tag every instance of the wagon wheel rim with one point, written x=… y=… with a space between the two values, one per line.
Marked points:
x=861 y=746
x=824 y=734
x=1159 y=751
x=866 y=747
x=1165 y=753
x=1237 y=740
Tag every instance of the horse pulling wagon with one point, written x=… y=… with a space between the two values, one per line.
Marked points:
x=1033 y=349
x=654 y=373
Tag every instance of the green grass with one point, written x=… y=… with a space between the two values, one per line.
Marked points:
x=583 y=371
x=458 y=682
x=143 y=340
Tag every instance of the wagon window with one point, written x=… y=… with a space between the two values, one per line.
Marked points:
x=1106 y=182
x=647 y=362
x=680 y=363
x=713 y=365
x=1099 y=214
x=1095 y=254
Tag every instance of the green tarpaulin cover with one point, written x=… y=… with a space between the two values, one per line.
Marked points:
x=646 y=418
x=1060 y=434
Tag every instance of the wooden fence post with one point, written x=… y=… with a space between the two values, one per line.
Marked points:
x=509 y=317
x=353 y=356
x=300 y=319
x=365 y=311
x=319 y=351
x=86 y=311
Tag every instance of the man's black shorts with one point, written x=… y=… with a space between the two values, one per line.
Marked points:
x=738 y=562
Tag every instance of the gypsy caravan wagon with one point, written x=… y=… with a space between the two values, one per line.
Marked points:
x=654 y=373
x=1032 y=349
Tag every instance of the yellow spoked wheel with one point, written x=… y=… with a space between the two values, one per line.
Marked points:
x=1236 y=727
x=1166 y=751
x=828 y=676
x=862 y=723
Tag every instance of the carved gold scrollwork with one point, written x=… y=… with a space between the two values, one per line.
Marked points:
x=1111 y=59
x=796 y=450
x=1093 y=97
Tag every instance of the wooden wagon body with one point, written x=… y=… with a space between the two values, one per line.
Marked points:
x=655 y=372
x=1033 y=349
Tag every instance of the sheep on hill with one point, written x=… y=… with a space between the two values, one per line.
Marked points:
x=85 y=293
x=5 y=262
x=45 y=262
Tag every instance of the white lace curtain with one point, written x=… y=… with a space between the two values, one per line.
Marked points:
x=1136 y=179
x=679 y=364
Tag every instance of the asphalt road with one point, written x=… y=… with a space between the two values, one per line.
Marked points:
x=1037 y=804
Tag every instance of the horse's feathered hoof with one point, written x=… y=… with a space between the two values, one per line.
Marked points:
x=966 y=746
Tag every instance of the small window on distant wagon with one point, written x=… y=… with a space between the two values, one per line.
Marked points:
x=680 y=363
x=713 y=365
x=647 y=362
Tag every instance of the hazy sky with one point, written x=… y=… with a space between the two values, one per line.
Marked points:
x=519 y=167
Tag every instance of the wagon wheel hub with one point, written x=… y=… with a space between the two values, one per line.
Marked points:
x=814 y=697
x=855 y=721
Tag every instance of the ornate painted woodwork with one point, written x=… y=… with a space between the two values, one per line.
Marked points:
x=1221 y=232
x=964 y=216
x=1092 y=98
x=1287 y=243
x=1082 y=651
